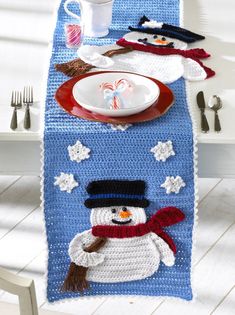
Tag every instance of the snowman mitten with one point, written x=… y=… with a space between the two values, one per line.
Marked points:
x=80 y=256
x=193 y=70
x=166 y=254
x=91 y=57
x=94 y=56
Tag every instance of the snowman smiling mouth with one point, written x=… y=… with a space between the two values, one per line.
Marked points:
x=121 y=222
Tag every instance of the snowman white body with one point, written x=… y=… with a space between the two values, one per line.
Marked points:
x=120 y=259
x=166 y=69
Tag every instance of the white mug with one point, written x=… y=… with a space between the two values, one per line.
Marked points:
x=96 y=16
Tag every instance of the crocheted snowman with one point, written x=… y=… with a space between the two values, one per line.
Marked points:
x=133 y=246
x=159 y=51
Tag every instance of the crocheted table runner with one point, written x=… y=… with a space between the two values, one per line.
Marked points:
x=115 y=176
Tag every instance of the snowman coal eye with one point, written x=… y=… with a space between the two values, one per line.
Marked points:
x=113 y=210
x=142 y=40
x=163 y=38
x=155 y=36
x=124 y=209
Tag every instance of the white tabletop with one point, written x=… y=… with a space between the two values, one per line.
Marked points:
x=26 y=29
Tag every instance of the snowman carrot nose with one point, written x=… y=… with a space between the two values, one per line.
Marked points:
x=124 y=214
x=159 y=41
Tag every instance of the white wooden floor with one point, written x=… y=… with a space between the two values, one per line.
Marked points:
x=22 y=250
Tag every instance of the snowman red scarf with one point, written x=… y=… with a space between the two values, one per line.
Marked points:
x=163 y=218
x=194 y=54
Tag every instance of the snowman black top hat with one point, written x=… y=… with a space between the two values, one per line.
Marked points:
x=107 y=193
x=148 y=26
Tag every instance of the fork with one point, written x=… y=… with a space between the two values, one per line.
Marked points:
x=27 y=100
x=16 y=102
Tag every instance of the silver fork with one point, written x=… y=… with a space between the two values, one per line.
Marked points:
x=16 y=102
x=27 y=100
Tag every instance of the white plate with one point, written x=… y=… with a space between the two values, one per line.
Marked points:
x=88 y=94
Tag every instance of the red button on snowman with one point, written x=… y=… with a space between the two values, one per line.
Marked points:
x=121 y=245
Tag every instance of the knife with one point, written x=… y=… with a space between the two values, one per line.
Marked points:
x=201 y=104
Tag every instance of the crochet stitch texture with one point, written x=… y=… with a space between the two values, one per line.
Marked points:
x=119 y=155
x=129 y=267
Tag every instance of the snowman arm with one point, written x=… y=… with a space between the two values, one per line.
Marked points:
x=77 y=253
x=93 y=55
x=166 y=254
x=193 y=71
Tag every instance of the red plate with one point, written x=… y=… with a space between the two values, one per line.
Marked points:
x=65 y=99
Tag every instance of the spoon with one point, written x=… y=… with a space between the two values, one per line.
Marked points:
x=215 y=104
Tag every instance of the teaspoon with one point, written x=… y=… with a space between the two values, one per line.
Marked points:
x=215 y=104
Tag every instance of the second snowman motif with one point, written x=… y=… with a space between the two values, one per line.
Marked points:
x=159 y=50
x=132 y=247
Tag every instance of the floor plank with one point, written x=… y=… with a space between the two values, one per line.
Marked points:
x=19 y=247
x=216 y=212
x=128 y=306
x=23 y=244
x=17 y=202
x=77 y=307
x=205 y=185
x=12 y=309
x=226 y=305
x=6 y=182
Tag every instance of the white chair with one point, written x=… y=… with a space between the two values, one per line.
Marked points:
x=22 y=287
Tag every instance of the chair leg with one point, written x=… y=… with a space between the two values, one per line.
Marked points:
x=22 y=287
x=28 y=302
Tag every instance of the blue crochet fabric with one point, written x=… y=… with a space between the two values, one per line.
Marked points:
x=117 y=155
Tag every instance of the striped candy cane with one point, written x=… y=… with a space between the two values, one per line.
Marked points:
x=112 y=92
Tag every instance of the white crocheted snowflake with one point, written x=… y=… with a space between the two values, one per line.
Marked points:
x=78 y=152
x=66 y=182
x=163 y=150
x=173 y=184
x=120 y=127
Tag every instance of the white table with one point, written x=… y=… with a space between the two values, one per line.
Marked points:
x=26 y=29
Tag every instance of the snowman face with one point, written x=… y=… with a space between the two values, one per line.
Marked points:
x=120 y=215
x=154 y=40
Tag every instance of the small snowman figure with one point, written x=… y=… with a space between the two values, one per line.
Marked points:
x=121 y=245
x=159 y=50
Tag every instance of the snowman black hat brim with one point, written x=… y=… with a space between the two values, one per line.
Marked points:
x=168 y=30
x=115 y=202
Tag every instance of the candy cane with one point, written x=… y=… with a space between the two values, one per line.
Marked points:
x=112 y=92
